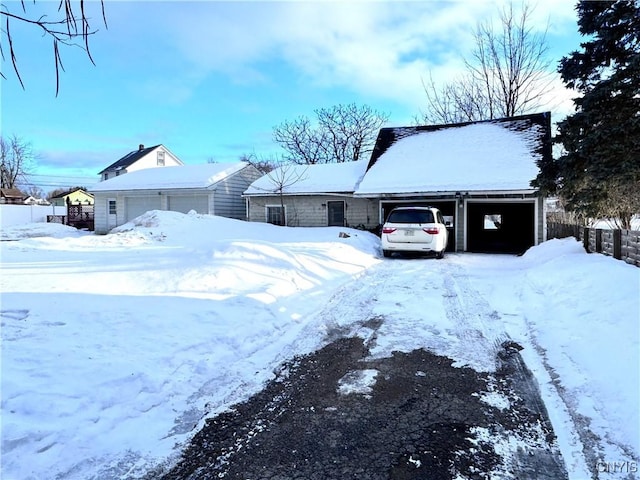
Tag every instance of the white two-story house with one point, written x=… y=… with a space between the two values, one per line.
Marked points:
x=149 y=157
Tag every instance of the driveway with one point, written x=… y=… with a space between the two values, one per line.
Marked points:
x=417 y=379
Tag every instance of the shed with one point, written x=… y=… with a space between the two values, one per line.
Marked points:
x=213 y=188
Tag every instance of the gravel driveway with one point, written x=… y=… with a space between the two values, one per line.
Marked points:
x=335 y=414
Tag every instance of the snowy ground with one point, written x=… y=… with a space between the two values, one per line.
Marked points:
x=114 y=347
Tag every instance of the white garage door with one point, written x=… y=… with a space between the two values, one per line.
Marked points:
x=186 y=203
x=136 y=206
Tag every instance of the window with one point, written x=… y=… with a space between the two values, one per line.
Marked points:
x=276 y=215
x=492 y=222
x=160 y=158
x=112 y=207
x=411 y=216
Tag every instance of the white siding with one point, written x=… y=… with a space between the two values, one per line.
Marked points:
x=150 y=160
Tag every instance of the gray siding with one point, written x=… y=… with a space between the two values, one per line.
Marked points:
x=542 y=219
x=227 y=198
x=311 y=210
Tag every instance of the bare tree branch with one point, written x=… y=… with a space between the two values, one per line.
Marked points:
x=343 y=133
x=508 y=74
x=70 y=30
x=16 y=159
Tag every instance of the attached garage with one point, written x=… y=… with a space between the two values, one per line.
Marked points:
x=214 y=189
x=479 y=174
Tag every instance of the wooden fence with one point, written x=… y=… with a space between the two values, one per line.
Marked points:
x=620 y=244
x=80 y=216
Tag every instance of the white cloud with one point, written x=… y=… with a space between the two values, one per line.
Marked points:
x=380 y=49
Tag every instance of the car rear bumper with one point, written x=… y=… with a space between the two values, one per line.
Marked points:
x=409 y=247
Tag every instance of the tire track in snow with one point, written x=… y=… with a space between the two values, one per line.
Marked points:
x=476 y=325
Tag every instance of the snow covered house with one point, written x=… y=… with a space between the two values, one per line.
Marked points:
x=213 y=188
x=149 y=157
x=477 y=173
x=312 y=196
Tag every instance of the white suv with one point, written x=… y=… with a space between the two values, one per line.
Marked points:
x=414 y=229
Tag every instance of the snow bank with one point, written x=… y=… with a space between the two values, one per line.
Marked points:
x=115 y=347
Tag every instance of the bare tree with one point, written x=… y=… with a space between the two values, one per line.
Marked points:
x=16 y=161
x=282 y=176
x=508 y=74
x=69 y=28
x=262 y=163
x=343 y=133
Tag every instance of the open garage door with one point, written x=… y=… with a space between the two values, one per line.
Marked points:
x=500 y=227
x=136 y=206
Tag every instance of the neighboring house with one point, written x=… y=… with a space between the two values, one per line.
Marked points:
x=312 y=196
x=213 y=188
x=36 y=201
x=73 y=197
x=149 y=157
x=11 y=196
x=477 y=173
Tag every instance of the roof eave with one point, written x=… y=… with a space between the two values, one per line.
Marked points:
x=460 y=193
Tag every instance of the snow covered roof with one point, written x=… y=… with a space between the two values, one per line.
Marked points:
x=497 y=155
x=183 y=176
x=309 y=179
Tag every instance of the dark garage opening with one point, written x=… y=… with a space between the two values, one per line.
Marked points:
x=500 y=227
x=446 y=207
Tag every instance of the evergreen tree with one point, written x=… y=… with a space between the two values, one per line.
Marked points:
x=598 y=173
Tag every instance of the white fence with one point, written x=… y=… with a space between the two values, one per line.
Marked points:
x=11 y=215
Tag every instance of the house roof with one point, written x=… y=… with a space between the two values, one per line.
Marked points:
x=69 y=192
x=11 y=193
x=310 y=179
x=173 y=177
x=494 y=155
x=129 y=159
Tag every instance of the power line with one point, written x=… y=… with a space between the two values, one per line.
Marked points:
x=58 y=176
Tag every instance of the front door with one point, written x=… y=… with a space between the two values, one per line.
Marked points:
x=335 y=212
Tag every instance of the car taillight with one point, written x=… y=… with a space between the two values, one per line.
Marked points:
x=388 y=230
x=431 y=230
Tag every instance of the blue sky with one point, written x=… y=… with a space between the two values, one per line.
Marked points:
x=211 y=79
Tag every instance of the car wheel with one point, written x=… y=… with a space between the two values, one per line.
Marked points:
x=440 y=255
x=386 y=253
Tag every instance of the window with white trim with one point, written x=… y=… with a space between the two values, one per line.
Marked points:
x=112 y=207
x=160 y=158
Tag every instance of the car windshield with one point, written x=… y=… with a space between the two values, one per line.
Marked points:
x=411 y=216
